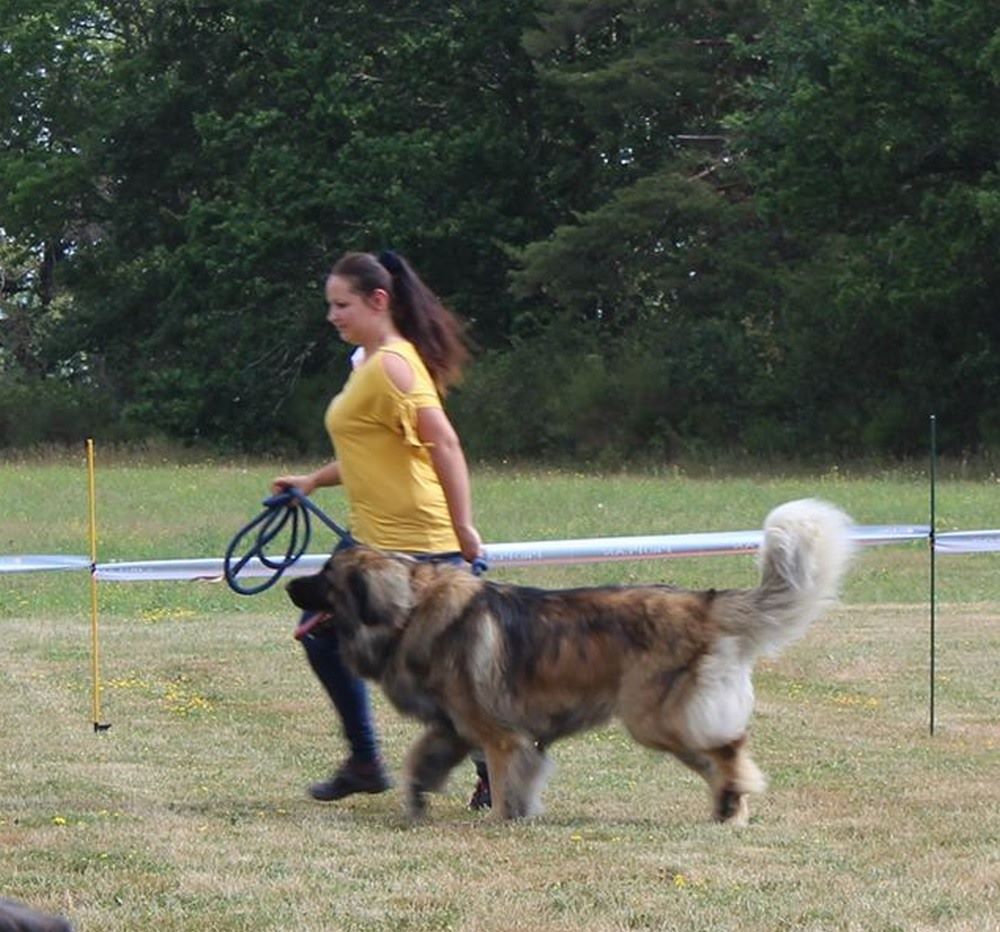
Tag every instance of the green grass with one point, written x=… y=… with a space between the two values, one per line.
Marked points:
x=189 y=812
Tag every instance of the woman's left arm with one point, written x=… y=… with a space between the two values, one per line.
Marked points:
x=435 y=430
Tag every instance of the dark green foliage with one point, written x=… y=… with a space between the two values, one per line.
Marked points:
x=239 y=148
x=873 y=146
x=659 y=258
x=36 y=411
x=645 y=86
x=675 y=225
x=573 y=391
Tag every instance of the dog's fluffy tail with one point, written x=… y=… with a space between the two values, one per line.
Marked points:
x=805 y=554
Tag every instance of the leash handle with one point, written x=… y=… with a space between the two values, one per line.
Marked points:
x=288 y=506
x=296 y=495
x=293 y=506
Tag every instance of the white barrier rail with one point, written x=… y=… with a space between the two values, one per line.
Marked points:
x=598 y=549
x=29 y=563
x=967 y=542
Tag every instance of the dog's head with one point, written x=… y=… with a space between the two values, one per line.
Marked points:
x=367 y=596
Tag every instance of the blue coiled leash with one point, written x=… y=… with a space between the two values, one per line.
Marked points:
x=293 y=506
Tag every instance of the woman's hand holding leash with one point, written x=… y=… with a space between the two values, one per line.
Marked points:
x=469 y=543
x=305 y=484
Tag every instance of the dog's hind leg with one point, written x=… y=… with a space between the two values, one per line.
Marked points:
x=428 y=763
x=734 y=776
x=700 y=763
x=518 y=771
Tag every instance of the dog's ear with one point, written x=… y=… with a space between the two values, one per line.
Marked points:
x=358 y=589
x=380 y=588
x=310 y=593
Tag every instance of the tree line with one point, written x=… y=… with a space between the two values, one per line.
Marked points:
x=674 y=227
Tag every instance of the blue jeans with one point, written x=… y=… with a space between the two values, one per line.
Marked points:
x=348 y=692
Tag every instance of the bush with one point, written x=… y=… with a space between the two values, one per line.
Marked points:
x=51 y=411
x=572 y=394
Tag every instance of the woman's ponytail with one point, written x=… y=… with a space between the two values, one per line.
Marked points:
x=419 y=315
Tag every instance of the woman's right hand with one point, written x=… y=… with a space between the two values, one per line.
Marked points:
x=309 y=482
x=305 y=484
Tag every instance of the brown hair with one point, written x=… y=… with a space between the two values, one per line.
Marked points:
x=419 y=315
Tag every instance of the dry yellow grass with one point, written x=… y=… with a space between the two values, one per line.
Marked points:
x=189 y=812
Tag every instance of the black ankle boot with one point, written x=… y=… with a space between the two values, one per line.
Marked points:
x=352 y=777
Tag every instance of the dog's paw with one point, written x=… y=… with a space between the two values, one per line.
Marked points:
x=415 y=805
x=732 y=808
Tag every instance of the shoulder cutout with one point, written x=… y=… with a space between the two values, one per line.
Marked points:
x=397 y=370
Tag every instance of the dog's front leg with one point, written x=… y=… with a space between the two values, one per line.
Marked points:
x=428 y=763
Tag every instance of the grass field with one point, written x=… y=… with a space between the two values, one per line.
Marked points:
x=189 y=812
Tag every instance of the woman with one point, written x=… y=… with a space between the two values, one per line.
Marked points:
x=399 y=460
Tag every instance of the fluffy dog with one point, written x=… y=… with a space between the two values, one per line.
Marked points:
x=510 y=669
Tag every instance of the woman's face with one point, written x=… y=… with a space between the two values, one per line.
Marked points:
x=354 y=315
